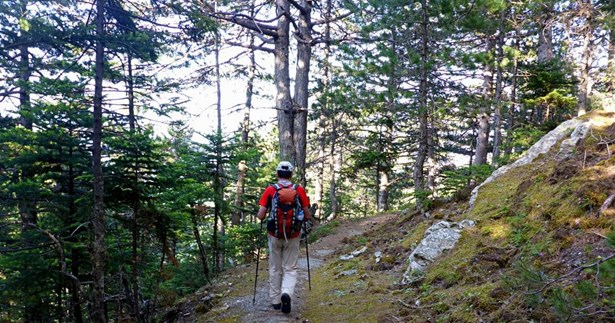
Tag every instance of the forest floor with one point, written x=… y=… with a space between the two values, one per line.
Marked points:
x=236 y=285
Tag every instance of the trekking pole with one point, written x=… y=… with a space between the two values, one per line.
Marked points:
x=307 y=255
x=258 y=256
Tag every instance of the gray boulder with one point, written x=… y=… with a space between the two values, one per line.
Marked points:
x=542 y=146
x=438 y=238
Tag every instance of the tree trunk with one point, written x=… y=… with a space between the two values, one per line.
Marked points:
x=242 y=168
x=98 y=215
x=497 y=115
x=25 y=106
x=135 y=203
x=27 y=205
x=510 y=125
x=335 y=155
x=383 y=192
x=218 y=184
x=482 y=137
x=283 y=101
x=545 y=33
x=322 y=120
x=199 y=243
x=302 y=79
x=610 y=85
x=419 y=164
x=77 y=314
x=585 y=82
x=432 y=164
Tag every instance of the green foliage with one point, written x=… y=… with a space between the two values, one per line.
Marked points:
x=522 y=138
x=549 y=90
x=457 y=179
x=241 y=242
x=323 y=230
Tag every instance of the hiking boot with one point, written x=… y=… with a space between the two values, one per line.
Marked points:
x=276 y=306
x=285 y=303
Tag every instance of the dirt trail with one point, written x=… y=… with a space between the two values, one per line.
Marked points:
x=241 y=308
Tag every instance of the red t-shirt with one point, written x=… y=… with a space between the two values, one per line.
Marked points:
x=265 y=200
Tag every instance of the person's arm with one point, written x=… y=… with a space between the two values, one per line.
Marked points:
x=305 y=203
x=306 y=213
x=264 y=203
x=262 y=212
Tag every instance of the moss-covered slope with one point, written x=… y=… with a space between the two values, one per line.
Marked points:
x=540 y=249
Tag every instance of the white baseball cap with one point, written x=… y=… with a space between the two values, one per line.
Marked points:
x=285 y=166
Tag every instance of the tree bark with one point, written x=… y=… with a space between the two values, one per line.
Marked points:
x=432 y=163
x=242 y=168
x=322 y=120
x=383 y=191
x=199 y=243
x=497 y=114
x=27 y=205
x=218 y=179
x=283 y=100
x=545 y=33
x=419 y=164
x=585 y=82
x=510 y=125
x=482 y=136
x=336 y=158
x=302 y=79
x=98 y=215
x=610 y=85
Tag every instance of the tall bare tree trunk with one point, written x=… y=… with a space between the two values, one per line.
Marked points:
x=545 y=32
x=499 y=85
x=432 y=163
x=322 y=120
x=610 y=85
x=283 y=100
x=383 y=192
x=242 y=168
x=136 y=196
x=27 y=205
x=98 y=215
x=510 y=125
x=419 y=164
x=335 y=166
x=585 y=82
x=199 y=243
x=482 y=137
x=302 y=79
x=218 y=179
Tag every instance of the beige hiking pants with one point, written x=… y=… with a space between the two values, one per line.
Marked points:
x=283 y=256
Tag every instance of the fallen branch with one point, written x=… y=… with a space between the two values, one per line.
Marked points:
x=415 y=307
x=572 y=272
x=607 y=203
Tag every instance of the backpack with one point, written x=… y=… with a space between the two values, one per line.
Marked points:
x=286 y=214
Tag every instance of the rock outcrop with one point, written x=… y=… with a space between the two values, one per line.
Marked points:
x=579 y=129
x=438 y=238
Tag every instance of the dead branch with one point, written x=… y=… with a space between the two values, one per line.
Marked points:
x=572 y=272
x=60 y=249
x=607 y=203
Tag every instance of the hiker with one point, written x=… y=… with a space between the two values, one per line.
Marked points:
x=286 y=203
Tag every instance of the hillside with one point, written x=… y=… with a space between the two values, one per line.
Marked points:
x=541 y=249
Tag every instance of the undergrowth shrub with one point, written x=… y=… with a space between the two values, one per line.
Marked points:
x=585 y=292
x=456 y=179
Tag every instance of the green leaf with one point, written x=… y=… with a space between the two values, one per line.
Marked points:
x=24 y=24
